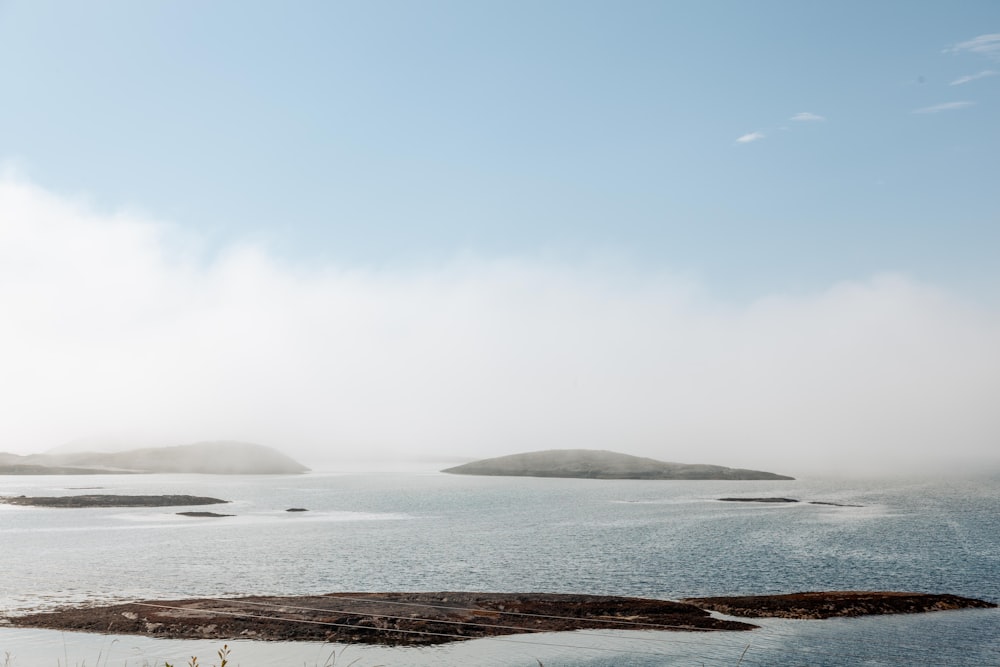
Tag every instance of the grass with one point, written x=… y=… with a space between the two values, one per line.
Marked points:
x=8 y=660
x=223 y=658
x=223 y=655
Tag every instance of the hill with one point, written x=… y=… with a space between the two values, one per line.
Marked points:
x=600 y=464
x=220 y=458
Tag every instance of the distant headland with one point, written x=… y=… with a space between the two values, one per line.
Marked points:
x=601 y=464
x=219 y=458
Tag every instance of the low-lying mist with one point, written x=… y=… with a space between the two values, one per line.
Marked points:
x=117 y=326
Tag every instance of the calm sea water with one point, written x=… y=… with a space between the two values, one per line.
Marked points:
x=423 y=532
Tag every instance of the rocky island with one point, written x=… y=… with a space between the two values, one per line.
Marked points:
x=380 y=618
x=437 y=618
x=601 y=464
x=107 y=500
x=218 y=458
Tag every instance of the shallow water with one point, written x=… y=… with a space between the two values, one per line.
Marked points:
x=368 y=532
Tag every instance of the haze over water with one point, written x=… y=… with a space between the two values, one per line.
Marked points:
x=426 y=532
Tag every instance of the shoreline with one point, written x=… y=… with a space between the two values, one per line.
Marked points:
x=421 y=619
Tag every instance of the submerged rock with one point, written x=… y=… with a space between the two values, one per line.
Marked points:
x=759 y=500
x=823 y=502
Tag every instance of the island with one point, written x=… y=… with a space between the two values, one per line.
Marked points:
x=437 y=618
x=108 y=500
x=219 y=458
x=602 y=464
x=380 y=618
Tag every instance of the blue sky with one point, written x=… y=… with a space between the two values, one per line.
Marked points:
x=380 y=133
x=657 y=227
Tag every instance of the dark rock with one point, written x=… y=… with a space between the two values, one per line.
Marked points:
x=204 y=514
x=296 y=509
x=820 y=502
x=835 y=603
x=759 y=500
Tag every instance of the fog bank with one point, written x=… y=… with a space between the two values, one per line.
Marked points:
x=120 y=327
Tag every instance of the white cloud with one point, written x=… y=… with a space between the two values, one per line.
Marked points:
x=973 y=77
x=947 y=106
x=112 y=325
x=984 y=45
x=750 y=137
x=805 y=116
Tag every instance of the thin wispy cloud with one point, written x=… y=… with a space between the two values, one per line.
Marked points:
x=947 y=106
x=984 y=45
x=973 y=77
x=801 y=117
x=750 y=137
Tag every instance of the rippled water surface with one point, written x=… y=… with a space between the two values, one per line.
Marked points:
x=439 y=532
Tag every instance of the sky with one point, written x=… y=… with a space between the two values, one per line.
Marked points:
x=759 y=234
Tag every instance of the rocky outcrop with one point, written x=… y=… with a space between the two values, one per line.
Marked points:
x=835 y=603
x=436 y=618
x=100 y=500
x=381 y=618
x=779 y=499
x=759 y=500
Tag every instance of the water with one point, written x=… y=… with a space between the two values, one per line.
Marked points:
x=424 y=532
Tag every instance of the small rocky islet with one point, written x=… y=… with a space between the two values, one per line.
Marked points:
x=780 y=500
x=111 y=500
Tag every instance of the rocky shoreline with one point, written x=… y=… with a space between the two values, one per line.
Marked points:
x=436 y=618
